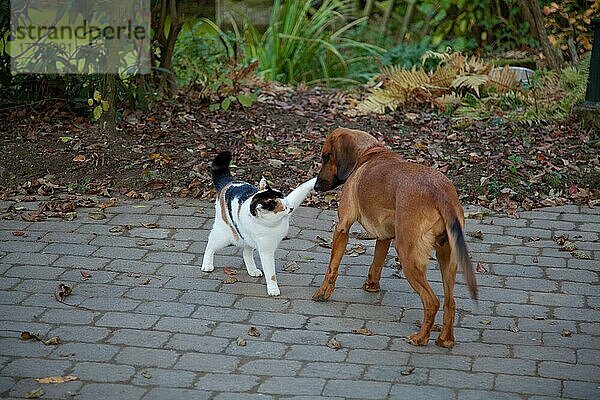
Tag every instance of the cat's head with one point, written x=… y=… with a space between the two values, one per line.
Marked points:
x=268 y=203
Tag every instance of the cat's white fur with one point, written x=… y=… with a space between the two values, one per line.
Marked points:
x=263 y=232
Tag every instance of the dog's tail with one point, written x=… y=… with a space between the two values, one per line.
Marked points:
x=456 y=238
x=220 y=170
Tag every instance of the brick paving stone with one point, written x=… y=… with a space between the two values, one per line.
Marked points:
x=103 y=372
x=289 y=386
x=332 y=370
x=139 y=337
x=127 y=320
x=528 y=385
x=356 y=389
x=163 y=377
x=95 y=391
x=581 y=390
x=62 y=391
x=271 y=367
x=162 y=393
x=419 y=392
x=35 y=368
x=200 y=343
x=227 y=382
x=202 y=362
x=147 y=357
x=84 y=352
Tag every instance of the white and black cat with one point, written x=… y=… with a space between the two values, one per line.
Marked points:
x=252 y=218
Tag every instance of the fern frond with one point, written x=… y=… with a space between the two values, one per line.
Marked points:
x=472 y=82
x=502 y=79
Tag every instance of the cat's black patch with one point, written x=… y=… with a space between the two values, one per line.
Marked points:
x=241 y=191
x=267 y=198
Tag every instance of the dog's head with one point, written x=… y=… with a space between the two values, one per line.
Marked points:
x=341 y=151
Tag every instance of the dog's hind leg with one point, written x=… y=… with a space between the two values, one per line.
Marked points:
x=381 y=249
x=448 y=269
x=414 y=266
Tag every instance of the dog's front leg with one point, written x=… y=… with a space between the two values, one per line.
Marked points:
x=340 y=240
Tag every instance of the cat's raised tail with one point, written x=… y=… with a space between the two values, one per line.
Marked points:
x=220 y=170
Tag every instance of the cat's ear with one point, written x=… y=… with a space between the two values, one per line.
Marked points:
x=263 y=185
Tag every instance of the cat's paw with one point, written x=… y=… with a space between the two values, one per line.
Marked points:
x=208 y=268
x=255 y=273
x=273 y=290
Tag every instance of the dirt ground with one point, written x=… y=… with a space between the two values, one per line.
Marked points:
x=168 y=150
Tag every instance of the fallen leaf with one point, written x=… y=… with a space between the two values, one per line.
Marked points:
x=33 y=216
x=485 y=322
x=566 y=333
x=480 y=268
x=534 y=259
x=230 y=280
x=85 y=275
x=356 y=249
x=568 y=246
x=146 y=374
x=35 y=394
x=117 y=229
x=407 y=371
x=61 y=292
x=79 y=158
x=97 y=216
x=240 y=341
x=19 y=233
x=362 y=331
x=513 y=328
x=143 y=242
x=253 y=331
x=28 y=336
x=476 y=235
x=334 y=344
x=560 y=239
x=151 y=226
x=113 y=201
x=229 y=271
x=539 y=317
x=146 y=281
x=53 y=341
x=291 y=266
x=534 y=238
x=324 y=242
x=581 y=255
x=57 y=379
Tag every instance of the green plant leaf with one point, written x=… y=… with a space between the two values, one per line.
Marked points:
x=245 y=99
x=97 y=96
x=105 y=105
x=225 y=103
x=214 y=106
x=97 y=113
x=90 y=102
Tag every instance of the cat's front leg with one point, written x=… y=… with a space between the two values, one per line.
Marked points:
x=267 y=259
x=249 y=261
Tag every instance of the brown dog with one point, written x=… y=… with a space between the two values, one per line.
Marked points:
x=393 y=199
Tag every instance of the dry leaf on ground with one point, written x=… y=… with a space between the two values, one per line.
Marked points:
x=61 y=292
x=362 y=331
x=253 y=331
x=35 y=394
x=230 y=280
x=57 y=379
x=229 y=271
x=240 y=341
x=334 y=344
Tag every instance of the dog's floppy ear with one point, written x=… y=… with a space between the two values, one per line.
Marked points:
x=345 y=158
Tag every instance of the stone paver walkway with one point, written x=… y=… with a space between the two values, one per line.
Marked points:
x=148 y=324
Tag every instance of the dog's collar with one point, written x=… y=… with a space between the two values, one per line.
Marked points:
x=376 y=148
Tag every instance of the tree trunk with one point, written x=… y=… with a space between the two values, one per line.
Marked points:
x=162 y=9
x=533 y=15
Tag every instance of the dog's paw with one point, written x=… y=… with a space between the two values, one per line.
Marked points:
x=371 y=287
x=416 y=339
x=322 y=295
x=446 y=343
x=255 y=273
x=208 y=268
x=273 y=290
